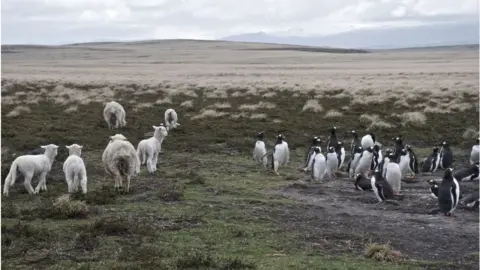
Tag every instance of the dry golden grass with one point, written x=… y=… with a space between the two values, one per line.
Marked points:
x=208 y=113
x=254 y=107
x=382 y=253
x=18 y=110
x=71 y=109
x=166 y=100
x=471 y=133
x=312 y=105
x=187 y=104
x=333 y=114
x=413 y=118
x=258 y=116
x=221 y=105
x=375 y=122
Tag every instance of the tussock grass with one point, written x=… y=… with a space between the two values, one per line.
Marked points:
x=187 y=104
x=375 y=122
x=382 y=253
x=269 y=94
x=239 y=115
x=220 y=105
x=166 y=100
x=18 y=111
x=333 y=114
x=276 y=120
x=71 y=109
x=413 y=118
x=254 y=107
x=208 y=113
x=312 y=105
x=258 y=116
x=470 y=133
x=64 y=207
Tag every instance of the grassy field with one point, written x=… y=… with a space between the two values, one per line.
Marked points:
x=209 y=206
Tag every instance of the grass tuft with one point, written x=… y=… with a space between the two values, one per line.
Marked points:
x=64 y=207
x=312 y=105
x=382 y=253
x=333 y=114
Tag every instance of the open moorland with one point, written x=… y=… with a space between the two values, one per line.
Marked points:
x=209 y=206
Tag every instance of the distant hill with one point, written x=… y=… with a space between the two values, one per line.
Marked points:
x=385 y=38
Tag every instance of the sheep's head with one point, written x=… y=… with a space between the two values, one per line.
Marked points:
x=160 y=131
x=117 y=137
x=51 y=150
x=74 y=149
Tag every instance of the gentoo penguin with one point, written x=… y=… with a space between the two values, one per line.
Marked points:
x=404 y=162
x=430 y=163
x=355 y=141
x=281 y=153
x=363 y=165
x=382 y=189
x=310 y=154
x=385 y=161
x=475 y=153
x=377 y=157
x=318 y=166
x=393 y=174
x=471 y=201
x=368 y=140
x=259 y=152
x=357 y=153
x=332 y=139
x=433 y=188
x=332 y=163
x=448 y=193
x=398 y=147
x=446 y=156
x=469 y=173
x=362 y=183
x=413 y=164
x=340 y=150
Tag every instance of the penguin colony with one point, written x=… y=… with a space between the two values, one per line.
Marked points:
x=370 y=169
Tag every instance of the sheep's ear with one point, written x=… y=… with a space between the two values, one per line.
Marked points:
x=155 y=127
x=111 y=137
x=43 y=146
x=67 y=146
x=54 y=146
x=80 y=146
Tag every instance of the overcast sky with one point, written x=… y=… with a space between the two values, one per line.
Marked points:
x=69 y=21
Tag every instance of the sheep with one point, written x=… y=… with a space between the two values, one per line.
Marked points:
x=120 y=159
x=74 y=169
x=30 y=166
x=171 y=119
x=148 y=149
x=113 y=108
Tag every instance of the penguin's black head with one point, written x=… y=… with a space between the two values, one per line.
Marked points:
x=448 y=174
x=373 y=136
x=398 y=139
x=317 y=150
x=280 y=138
x=476 y=168
x=333 y=129
x=314 y=139
x=353 y=131
x=358 y=176
x=444 y=144
x=388 y=152
x=376 y=147
x=340 y=144
x=408 y=147
x=358 y=149
x=435 y=150
x=432 y=182
x=331 y=149
x=477 y=140
x=403 y=152
x=369 y=149
x=260 y=136
x=317 y=142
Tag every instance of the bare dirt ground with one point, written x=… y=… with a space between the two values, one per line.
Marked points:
x=209 y=206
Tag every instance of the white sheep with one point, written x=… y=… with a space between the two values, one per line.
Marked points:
x=111 y=109
x=74 y=169
x=120 y=159
x=30 y=166
x=171 y=119
x=148 y=149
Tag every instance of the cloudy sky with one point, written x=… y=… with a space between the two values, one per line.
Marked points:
x=69 y=21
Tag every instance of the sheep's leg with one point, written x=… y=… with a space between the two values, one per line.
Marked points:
x=128 y=182
x=155 y=160
x=83 y=182
x=68 y=178
x=41 y=185
x=28 y=183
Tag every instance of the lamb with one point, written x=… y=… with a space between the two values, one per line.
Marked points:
x=148 y=149
x=30 y=166
x=171 y=119
x=74 y=169
x=120 y=160
x=114 y=109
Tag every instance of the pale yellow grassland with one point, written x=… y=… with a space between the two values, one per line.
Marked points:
x=374 y=121
x=258 y=116
x=413 y=118
x=166 y=100
x=208 y=113
x=470 y=133
x=333 y=114
x=187 y=104
x=254 y=107
x=220 y=105
x=18 y=110
x=312 y=105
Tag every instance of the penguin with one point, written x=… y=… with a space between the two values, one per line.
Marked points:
x=357 y=153
x=393 y=174
x=355 y=141
x=385 y=161
x=468 y=173
x=382 y=189
x=340 y=150
x=332 y=163
x=318 y=166
x=448 y=193
x=310 y=154
x=446 y=156
x=404 y=162
x=413 y=164
x=471 y=201
x=365 y=161
x=260 y=150
x=368 y=140
x=475 y=153
x=398 y=147
x=433 y=188
x=430 y=163
x=332 y=139
x=377 y=157
x=281 y=153
x=362 y=183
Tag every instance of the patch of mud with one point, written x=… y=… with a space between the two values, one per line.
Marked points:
x=338 y=218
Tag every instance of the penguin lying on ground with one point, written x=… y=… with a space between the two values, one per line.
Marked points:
x=331 y=163
x=310 y=153
x=260 y=150
x=433 y=188
x=318 y=166
x=446 y=156
x=448 y=193
x=469 y=173
x=475 y=153
x=471 y=201
x=431 y=163
x=362 y=183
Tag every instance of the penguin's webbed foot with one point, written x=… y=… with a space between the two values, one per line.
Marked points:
x=433 y=211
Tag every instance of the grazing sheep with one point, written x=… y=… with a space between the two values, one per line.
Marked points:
x=74 y=169
x=120 y=159
x=148 y=149
x=171 y=119
x=114 y=109
x=30 y=166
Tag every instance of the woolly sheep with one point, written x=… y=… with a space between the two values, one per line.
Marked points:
x=171 y=119
x=113 y=108
x=120 y=159
x=30 y=166
x=74 y=169
x=148 y=149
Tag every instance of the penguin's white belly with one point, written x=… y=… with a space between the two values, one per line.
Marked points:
x=342 y=157
x=319 y=167
x=475 y=154
x=437 y=163
x=364 y=163
x=393 y=176
x=310 y=162
x=259 y=151
x=457 y=194
x=404 y=164
x=374 y=188
x=332 y=163
x=280 y=154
